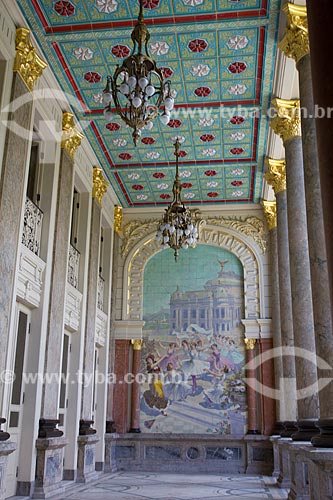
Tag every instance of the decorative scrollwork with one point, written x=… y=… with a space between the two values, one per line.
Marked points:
x=73 y=267
x=32 y=226
x=100 y=293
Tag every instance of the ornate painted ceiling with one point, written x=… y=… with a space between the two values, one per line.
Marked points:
x=219 y=56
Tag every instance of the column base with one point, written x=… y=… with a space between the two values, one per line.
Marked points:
x=306 y=430
x=86 y=458
x=289 y=428
x=135 y=431
x=4 y=436
x=85 y=428
x=278 y=429
x=6 y=448
x=49 y=469
x=48 y=428
x=325 y=438
x=110 y=427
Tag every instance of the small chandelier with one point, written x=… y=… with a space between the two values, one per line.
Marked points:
x=177 y=230
x=137 y=87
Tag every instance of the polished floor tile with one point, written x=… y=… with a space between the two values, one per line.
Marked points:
x=154 y=486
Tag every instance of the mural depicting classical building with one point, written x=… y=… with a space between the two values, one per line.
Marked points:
x=193 y=350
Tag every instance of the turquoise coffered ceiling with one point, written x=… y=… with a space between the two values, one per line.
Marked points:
x=219 y=56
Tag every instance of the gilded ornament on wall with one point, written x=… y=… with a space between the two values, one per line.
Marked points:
x=71 y=137
x=27 y=62
x=118 y=218
x=295 y=43
x=287 y=123
x=100 y=185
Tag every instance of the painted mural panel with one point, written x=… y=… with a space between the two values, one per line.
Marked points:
x=193 y=354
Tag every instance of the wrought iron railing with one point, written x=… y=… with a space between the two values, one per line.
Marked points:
x=32 y=226
x=100 y=293
x=73 y=266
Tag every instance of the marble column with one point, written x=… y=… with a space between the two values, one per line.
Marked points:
x=267 y=403
x=28 y=68
x=251 y=394
x=287 y=125
x=120 y=397
x=135 y=399
x=269 y=208
x=98 y=191
x=276 y=176
x=295 y=44
x=53 y=355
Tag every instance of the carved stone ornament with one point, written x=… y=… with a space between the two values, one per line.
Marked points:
x=295 y=43
x=249 y=344
x=27 y=62
x=100 y=185
x=269 y=208
x=276 y=174
x=287 y=123
x=137 y=344
x=118 y=218
x=253 y=227
x=71 y=137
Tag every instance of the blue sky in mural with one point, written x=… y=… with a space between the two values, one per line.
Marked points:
x=194 y=268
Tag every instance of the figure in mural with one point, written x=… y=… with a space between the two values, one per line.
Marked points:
x=171 y=356
x=193 y=366
x=154 y=396
x=175 y=389
x=216 y=395
x=218 y=362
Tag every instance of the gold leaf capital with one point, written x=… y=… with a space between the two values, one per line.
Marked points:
x=249 y=344
x=269 y=208
x=71 y=137
x=276 y=174
x=27 y=62
x=295 y=43
x=100 y=185
x=287 y=123
x=137 y=344
x=118 y=218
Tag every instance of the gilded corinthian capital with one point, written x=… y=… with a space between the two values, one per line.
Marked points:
x=269 y=208
x=276 y=174
x=71 y=137
x=295 y=43
x=118 y=218
x=287 y=123
x=27 y=62
x=100 y=185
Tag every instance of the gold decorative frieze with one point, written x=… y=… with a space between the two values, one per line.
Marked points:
x=269 y=208
x=253 y=227
x=287 y=123
x=295 y=43
x=249 y=344
x=100 y=185
x=137 y=344
x=71 y=137
x=118 y=218
x=276 y=174
x=27 y=62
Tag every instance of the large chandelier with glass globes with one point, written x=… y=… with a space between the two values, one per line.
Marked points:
x=137 y=87
x=177 y=229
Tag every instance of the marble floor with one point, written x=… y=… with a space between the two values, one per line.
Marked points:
x=167 y=486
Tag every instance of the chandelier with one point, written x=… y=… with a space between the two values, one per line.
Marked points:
x=177 y=230
x=137 y=87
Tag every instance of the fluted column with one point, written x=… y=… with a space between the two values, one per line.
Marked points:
x=135 y=399
x=98 y=191
x=287 y=125
x=276 y=176
x=27 y=68
x=269 y=208
x=296 y=45
x=53 y=355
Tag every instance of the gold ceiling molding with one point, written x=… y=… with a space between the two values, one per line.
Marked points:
x=276 y=174
x=27 y=62
x=100 y=185
x=269 y=209
x=252 y=227
x=287 y=123
x=71 y=137
x=118 y=218
x=295 y=43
